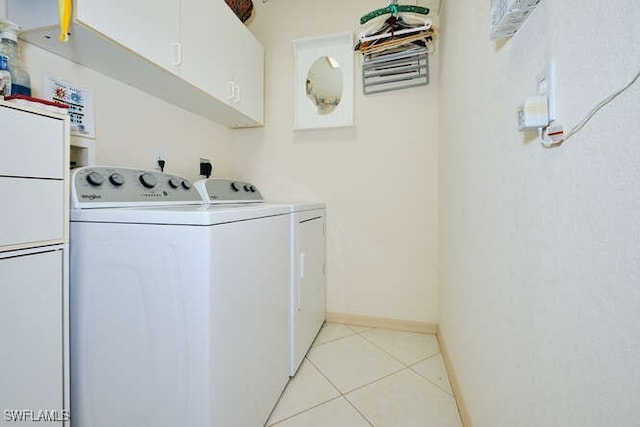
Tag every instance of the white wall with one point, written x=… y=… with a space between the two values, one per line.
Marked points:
x=378 y=178
x=131 y=126
x=540 y=258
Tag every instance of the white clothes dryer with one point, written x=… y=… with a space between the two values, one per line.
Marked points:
x=178 y=310
x=307 y=259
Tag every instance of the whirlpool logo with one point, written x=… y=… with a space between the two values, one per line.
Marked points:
x=90 y=196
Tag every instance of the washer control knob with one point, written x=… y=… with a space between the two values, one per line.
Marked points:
x=174 y=183
x=186 y=185
x=148 y=180
x=95 y=178
x=247 y=187
x=235 y=186
x=116 y=179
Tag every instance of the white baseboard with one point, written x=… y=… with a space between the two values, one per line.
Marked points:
x=384 y=323
x=455 y=386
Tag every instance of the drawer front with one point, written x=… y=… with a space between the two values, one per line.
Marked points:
x=32 y=211
x=33 y=145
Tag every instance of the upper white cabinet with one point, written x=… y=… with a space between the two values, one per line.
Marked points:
x=151 y=28
x=207 y=52
x=223 y=59
x=192 y=53
x=248 y=56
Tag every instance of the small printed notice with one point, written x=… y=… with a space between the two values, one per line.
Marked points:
x=80 y=102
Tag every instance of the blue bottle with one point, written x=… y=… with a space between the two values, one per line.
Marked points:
x=5 y=76
x=20 y=80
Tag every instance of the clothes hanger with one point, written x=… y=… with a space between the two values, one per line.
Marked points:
x=392 y=29
x=394 y=8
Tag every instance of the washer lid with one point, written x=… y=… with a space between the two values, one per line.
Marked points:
x=179 y=215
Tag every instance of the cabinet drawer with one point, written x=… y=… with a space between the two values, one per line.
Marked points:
x=33 y=147
x=32 y=210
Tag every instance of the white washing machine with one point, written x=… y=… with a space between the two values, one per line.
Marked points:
x=307 y=260
x=178 y=310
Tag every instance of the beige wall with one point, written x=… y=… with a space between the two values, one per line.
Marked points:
x=379 y=178
x=131 y=126
x=540 y=258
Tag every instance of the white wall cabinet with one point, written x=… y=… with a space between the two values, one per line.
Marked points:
x=248 y=56
x=192 y=53
x=222 y=58
x=150 y=28
x=207 y=52
x=34 y=291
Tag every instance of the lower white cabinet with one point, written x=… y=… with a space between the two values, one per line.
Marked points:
x=34 y=224
x=31 y=327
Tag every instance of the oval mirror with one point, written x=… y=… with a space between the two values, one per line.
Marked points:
x=324 y=84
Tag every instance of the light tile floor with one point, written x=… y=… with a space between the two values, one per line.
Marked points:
x=368 y=377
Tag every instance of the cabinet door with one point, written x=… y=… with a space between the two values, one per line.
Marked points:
x=151 y=28
x=309 y=299
x=311 y=281
x=31 y=350
x=248 y=73
x=207 y=47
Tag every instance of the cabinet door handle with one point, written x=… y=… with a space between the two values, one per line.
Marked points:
x=177 y=53
x=236 y=98
x=232 y=90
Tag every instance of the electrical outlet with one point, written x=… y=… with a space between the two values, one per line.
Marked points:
x=159 y=155
x=206 y=167
x=546 y=85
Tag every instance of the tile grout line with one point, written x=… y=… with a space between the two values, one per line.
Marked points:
x=306 y=410
x=358 y=411
x=344 y=395
x=335 y=339
x=405 y=366
x=408 y=365
x=428 y=379
x=340 y=395
x=432 y=382
x=324 y=376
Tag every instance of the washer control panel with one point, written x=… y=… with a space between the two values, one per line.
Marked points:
x=218 y=190
x=103 y=186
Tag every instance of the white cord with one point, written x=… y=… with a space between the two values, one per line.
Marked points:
x=546 y=142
